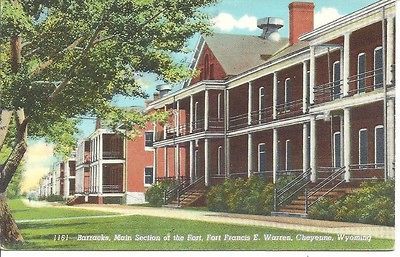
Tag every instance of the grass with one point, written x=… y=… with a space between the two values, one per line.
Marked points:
x=40 y=235
x=23 y=212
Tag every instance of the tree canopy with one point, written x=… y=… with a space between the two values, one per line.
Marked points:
x=61 y=59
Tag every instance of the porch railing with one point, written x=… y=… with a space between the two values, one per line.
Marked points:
x=199 y=182
x=173 y=192
x=262 y=116
x=330 y=183
x=289 y=108
x=328 y=92
x=366 y=82
x=112 y=189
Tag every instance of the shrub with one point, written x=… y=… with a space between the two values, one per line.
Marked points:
x=373 y=203
x=54 y=198
x=155 y=194
x=251 y=196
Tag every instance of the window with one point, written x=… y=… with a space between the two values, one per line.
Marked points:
x=363 y=146
x=288 y=92
x=379 y=145
x=261 y=104
x=337 y=158
x=262 y=158
x=148 y=139
x=220 y=110
x=220 y=161
x=361 y=69
x=336 y=80
x=148 y=175
x=378 y=67
x=288 y=164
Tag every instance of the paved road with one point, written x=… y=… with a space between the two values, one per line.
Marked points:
x=253 y=220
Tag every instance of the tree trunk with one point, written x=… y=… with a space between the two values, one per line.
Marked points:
x=9 y=233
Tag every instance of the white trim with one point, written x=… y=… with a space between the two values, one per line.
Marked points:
x=148 y=148
x=375 y=72
x=359 y=145
x=375 y=142
x=258 y=153
x=219 y=160
x=196 y=112
x=363 y=72
x=334 y=148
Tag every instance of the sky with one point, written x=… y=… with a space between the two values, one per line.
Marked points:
x=228 y=16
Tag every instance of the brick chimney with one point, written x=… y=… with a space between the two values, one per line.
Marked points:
x=301 y=20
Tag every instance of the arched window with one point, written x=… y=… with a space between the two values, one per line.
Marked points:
x=262 y=158
x=220 y=109
x=378 y=67
x=363 y=147
x=288 y=92
x=336 y=79
x=379 y=146
x=220 y=161
x=261 y=104
x=361 y=69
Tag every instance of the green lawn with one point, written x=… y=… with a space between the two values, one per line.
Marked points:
x=22 y=212
x=40 y=235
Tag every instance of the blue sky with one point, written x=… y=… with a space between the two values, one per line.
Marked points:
x=238 y=17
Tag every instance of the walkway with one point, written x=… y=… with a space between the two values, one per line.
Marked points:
x=308 y=225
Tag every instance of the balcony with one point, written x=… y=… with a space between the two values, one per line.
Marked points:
x=112 y=189
x=365 y=82
x=328 y=92
x=289 y=109
x=113 y=155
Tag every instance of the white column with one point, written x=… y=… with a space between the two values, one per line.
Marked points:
x=166 y=161
x=275 y=95
x=100 y=175
x=312 y=73
x=347 y=142
x=177 y=161
x=249 y=154
x=191 y=114
x=313 y=148
x=391 y=137
x=249 y=103
x=206 y=108
x=346 y=64
x=275 y=156
x=100 y=153
x=306 y=162
x=227 y=157
x=305 y=87
x=227 y=109
x=191 y=161
x=177 y=118
x=155 y=166
x=165 y=125
x=390 y=49
x=206 y=163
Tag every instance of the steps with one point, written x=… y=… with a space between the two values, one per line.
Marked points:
x=72 y=201
x=192 y=197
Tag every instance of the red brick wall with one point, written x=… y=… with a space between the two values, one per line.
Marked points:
x=266 y=138
x=267 y=83
x=219 y=73
x=324 y=139
x=136 y=160
x=295 y=73
x=295 y=135
x=238 y=154
x=238 y=99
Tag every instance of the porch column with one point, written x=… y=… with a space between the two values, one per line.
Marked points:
x=155 y=166
x=275 y=157
x=206 y=163
x=249 y=154
x=227 y=157
x=227 y=109
x=312 y=73
x=305 y=87
x=313 y=148
x=206 y=108
x=306 y=161
x=100 y=177
x=391 y=138
x=275 y=95
x=166 y=161
x=191 y=162
x=191 y=114
x=177 y=119
x=390 y=49
x=100 y=147
x=346 y=64
x=177 y=161
x=165 y=125
x=347 y=142
x=249 y=103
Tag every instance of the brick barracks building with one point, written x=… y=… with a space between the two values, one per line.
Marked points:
x=319 y=105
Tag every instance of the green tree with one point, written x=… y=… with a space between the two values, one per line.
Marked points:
x=61 y=59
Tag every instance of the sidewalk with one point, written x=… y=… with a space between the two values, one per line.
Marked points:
x=307 y=225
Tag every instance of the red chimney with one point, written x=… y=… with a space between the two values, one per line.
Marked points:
x=301 y=19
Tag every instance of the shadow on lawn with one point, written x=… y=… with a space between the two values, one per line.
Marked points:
x=45 y=225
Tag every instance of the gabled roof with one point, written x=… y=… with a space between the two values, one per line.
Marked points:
x=238 y=53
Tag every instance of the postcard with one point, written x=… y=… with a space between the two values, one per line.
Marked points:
x=197 y=125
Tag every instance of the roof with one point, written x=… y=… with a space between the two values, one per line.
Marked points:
x=290 y=50
x=238 y=53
